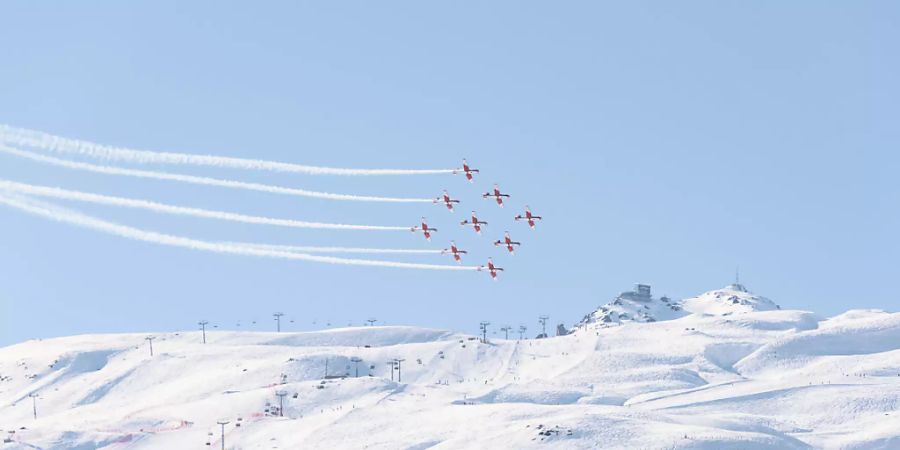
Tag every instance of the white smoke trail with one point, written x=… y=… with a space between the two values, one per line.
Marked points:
x=295 y=248
x=44 y=191
x=45 y=141
x=202 y=180
x=74 y=218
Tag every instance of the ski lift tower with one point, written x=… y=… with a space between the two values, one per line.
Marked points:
x=356 y=360
x=281 y=395
x=34 y=396
x=399 y=362
x=483 y=327
x=222 y=423
x=203 y=324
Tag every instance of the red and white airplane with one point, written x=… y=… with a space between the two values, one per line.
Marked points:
x=496 y=195
x=446 y=200
x=425 y=229
x=491 y=269
x=530 y=218
x=508 y=242
x=475 y=223
x=466 y=170
x=455 y=251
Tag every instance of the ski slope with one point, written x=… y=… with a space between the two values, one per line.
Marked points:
x=748 y=376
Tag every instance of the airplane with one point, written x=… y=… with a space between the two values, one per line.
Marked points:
x=508 y=242
x=446 y=200
x=497 y=195
x=453 y=250
x=466 y=170
x=491 y=269
x=475 y=223
x=425 y=229
x=530 y=218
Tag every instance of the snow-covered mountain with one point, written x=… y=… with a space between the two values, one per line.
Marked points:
x=633 y=306
x=757 y=379
x=639 y=305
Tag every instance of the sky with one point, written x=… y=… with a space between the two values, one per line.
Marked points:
x=664 y=143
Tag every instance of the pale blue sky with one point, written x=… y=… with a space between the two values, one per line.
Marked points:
x=664 y=142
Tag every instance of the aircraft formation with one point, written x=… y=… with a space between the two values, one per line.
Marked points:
x=38 y=200
x=476 y=224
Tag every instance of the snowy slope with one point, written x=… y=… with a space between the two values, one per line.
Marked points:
x=776 y=379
